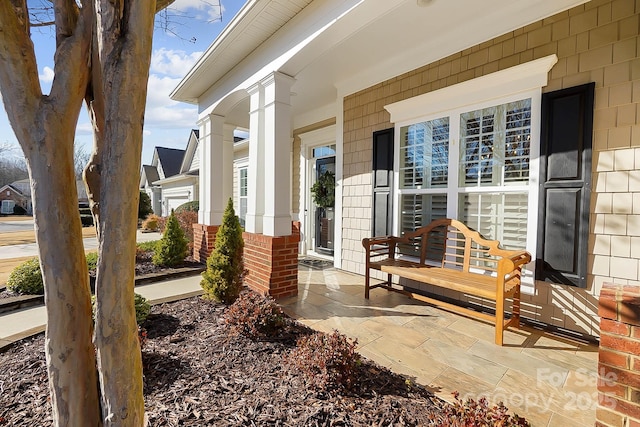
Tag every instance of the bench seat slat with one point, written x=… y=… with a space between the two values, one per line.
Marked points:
x=474 y=284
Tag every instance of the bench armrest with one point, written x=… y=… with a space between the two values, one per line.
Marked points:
x=510 y=268
x=518 y=258
x=378 y=246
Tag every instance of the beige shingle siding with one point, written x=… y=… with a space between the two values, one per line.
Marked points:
x=597 y=41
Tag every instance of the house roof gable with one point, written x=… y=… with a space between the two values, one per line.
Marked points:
x=170 y=160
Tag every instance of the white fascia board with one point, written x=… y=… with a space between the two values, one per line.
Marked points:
x=176 y=178
x=198 y=68
x=520 y=78
x=272 y=55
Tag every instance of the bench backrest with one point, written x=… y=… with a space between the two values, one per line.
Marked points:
x=452 y=244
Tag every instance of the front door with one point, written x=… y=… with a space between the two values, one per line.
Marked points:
x=322 y=200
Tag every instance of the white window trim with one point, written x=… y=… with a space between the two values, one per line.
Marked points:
x=237 y=165
x=518 y=82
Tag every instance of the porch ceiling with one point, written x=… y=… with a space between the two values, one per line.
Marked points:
x=372 y=42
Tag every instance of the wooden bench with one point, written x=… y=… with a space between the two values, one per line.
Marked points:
x=446 y=253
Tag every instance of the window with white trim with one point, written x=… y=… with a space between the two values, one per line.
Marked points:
x=490 y=192
x=242 y=195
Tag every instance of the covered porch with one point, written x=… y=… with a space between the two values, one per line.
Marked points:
x=549 y=379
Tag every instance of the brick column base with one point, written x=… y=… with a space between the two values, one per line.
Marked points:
x=204 y=237
x=272 y=263
x=619 y=357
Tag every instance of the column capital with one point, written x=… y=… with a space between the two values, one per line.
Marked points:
x=278 y=78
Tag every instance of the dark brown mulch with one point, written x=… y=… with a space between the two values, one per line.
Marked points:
x=197 y=374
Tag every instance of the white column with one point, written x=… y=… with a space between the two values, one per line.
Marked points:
x=204 y=175
x=227 y=165
x=255 y=172
x=216 y=168
x=277 y=154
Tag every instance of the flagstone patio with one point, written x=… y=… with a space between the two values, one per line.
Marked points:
x=550 y=380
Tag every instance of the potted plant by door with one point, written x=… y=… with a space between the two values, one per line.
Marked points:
x=324 y=197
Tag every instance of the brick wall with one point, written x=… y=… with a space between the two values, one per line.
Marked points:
x=597 y=41
x=272 y=263
x=619 y=357
x=204 y=238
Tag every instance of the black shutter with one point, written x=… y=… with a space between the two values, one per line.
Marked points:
x=382 y=182
x=565 y=185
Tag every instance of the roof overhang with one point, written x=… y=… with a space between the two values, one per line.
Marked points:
x=334 y=48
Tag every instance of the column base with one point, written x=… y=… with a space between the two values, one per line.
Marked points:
x=204 y=238
x=272 y=263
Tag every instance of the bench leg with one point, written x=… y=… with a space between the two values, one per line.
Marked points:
x=367 y=279
x=515 y=309
x=499 y=321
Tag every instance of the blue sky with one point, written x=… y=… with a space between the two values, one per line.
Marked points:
x=193 y=25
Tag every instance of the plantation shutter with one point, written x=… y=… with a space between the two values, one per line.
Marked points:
x=565 y=180
x=382 y=182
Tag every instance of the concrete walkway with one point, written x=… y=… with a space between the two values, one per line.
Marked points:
x=19 y=324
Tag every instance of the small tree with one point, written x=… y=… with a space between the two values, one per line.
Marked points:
x=222 y=281
x=172 y=248
x=144 y=205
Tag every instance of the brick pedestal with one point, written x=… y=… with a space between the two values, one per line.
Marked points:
x=272 y=263
x=204 y=237
x=619 y=357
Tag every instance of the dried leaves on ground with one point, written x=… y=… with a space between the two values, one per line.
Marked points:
x=196 y=373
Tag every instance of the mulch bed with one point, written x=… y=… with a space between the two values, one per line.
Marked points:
x=196 y=373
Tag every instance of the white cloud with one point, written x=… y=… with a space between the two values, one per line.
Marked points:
x=47 y=75
x=163 y=112
x=84 y=128
x=173 y=62
x=212 y=10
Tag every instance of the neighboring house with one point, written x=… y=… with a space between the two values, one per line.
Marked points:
x=518 y=118
x=18 y=193
x=172 y=177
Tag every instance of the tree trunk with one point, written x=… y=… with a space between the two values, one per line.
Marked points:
x=69 y=349
x=120 y=81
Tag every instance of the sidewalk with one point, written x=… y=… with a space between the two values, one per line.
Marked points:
x=20 y=324
x=90 y=243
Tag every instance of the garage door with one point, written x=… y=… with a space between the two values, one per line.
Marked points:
x=174 y=203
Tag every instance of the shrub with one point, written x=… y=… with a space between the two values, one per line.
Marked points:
x=477 y=414
x=188 y=207
x=255 y=316
x=149 y=246
x=151 y=222
x=19 y=210
x=143 y=308
x=326 y=361
x=186 y=219
x=26 y=279
x=172 y=248
x=144 y=205
x=92 y=260
x=222 y=280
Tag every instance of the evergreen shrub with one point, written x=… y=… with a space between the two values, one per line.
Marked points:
x=222 y=280
x=144 y=205
x=172 y=249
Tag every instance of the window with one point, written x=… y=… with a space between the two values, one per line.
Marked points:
x=242 y=195
x=491 y=190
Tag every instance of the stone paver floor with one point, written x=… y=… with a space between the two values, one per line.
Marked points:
x=548 y=379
